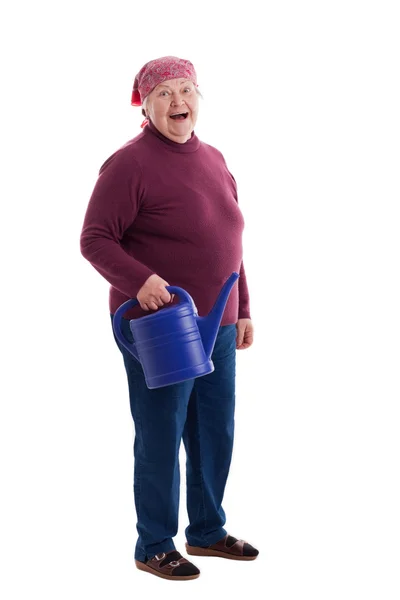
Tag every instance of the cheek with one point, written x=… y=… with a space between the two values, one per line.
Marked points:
x=158 y=108
x=194 y=104
x=160 y=111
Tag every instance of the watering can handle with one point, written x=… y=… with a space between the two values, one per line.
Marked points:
x=173 y=289
x=117 y=321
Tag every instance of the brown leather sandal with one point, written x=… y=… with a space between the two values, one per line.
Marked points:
x=228 y=547
x=170 y=565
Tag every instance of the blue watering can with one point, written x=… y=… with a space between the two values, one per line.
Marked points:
x=174 y=344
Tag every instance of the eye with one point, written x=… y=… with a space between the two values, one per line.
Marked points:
x=188 y=89
x=163 y=92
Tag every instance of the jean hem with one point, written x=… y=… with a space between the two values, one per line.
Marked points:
x=207 y=540
x=166 y=546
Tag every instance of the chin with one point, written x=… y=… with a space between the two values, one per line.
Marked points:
x=185 y=129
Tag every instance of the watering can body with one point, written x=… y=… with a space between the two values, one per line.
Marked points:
x=174 y=344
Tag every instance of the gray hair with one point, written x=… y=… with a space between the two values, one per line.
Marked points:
x=144 y=104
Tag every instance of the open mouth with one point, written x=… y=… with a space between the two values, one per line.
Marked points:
x=179 y=116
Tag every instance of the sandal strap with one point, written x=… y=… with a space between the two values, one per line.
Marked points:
x=236 y=548
x=160 y=562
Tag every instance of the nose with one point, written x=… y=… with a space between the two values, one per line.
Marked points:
x=176 y=99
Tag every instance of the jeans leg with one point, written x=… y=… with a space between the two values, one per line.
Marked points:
x=208 y=438
x=159 y=416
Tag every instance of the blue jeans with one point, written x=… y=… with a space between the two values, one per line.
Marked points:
x=200 y=412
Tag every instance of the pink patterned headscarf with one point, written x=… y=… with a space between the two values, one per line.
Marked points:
x=159 y=70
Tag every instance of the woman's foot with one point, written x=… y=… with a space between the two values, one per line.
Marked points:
x=228 y=547
x=169 y=565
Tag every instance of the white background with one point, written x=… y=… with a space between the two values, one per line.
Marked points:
x=303 y=100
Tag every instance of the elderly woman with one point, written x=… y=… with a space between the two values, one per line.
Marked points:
x=164 y=211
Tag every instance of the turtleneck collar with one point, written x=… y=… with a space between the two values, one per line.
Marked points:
x=191 y=145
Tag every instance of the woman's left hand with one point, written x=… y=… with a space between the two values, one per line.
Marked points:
x=244 y=337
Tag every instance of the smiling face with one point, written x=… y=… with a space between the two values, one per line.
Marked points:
x=173 y=97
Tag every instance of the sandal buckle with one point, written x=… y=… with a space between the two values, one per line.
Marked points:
x=174 y=563
x=159 y=556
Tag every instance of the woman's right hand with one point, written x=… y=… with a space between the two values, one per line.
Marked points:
x=153 y=294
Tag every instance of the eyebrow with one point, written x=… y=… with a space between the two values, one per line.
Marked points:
x=167 y=86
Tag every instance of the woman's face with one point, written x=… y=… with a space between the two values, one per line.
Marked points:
x=172 y=97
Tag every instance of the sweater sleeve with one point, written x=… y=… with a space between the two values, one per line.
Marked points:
x=244 y=297
x=112 y=208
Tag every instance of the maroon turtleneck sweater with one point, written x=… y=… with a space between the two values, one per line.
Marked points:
x=171 y=209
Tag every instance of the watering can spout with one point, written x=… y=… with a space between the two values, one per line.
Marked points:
x=209 y=325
